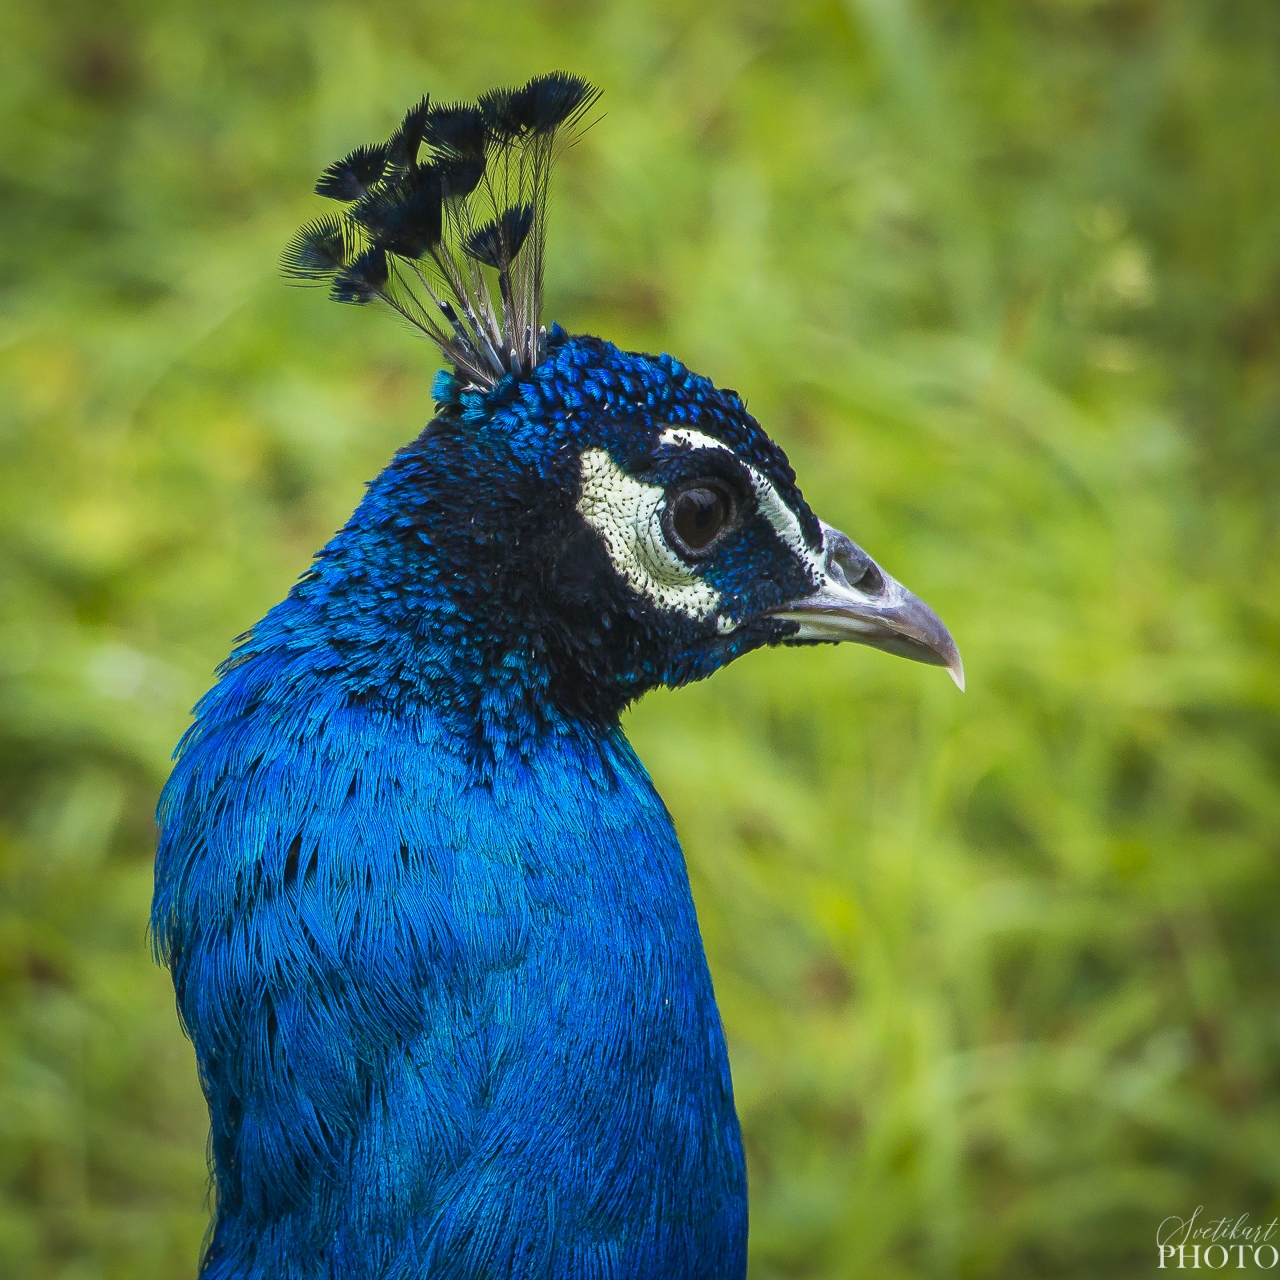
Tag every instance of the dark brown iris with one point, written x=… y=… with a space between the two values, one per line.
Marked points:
x=698 y=515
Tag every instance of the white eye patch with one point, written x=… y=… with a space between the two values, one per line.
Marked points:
x=628 y=516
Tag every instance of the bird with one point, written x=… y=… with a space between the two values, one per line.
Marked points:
x=428 y=921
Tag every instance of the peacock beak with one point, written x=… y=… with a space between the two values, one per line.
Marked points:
x=856 y=600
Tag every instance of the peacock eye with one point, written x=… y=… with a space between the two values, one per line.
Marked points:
x=697 y=515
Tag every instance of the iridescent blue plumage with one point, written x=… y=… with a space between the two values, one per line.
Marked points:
x=428 y=921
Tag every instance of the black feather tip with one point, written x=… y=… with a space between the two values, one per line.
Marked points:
x=456 y=130
x=497 y=242
x=318 y=250
x=557 y=99
x=459 y=174
x=538 y=107
x=353 y=175
x=402 y=150
x=405 y=217
x=364 y=279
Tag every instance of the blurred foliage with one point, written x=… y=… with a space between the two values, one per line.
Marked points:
x=999 y=971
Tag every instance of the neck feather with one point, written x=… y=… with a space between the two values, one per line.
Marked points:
x=415 y=992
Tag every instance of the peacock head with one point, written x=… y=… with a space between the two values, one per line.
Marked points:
x=610 y=520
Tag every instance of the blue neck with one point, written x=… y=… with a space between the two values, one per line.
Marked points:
x=428 y=922
x=452 y=1020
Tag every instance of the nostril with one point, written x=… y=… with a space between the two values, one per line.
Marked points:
x=871 y=582
x=850 y=563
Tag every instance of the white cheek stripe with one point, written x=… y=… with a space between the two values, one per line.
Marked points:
x=784 y=521
x=786 y=525
x=628 y=516
x=691 y=439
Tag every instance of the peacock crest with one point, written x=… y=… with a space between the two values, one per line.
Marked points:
x=452 y=204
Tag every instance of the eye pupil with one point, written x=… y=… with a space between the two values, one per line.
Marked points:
x=698 y=515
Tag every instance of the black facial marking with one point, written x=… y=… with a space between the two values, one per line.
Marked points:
x=581 y=567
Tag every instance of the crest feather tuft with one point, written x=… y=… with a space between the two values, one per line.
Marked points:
x=458 y=190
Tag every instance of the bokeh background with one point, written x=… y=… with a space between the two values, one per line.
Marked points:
x=999 y=972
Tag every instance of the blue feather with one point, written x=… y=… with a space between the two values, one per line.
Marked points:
x=471 y=1029
x=433 y=940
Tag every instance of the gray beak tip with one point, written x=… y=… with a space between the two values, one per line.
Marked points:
x=956 y=671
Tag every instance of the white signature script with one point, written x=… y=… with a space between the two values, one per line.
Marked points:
x=1211 y=1242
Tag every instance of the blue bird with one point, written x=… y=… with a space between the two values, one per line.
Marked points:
x=428 y=921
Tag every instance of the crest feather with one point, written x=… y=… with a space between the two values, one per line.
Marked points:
x=459 y=190
x=350 y=177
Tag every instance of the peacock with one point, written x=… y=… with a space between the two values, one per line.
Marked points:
x=428 y=921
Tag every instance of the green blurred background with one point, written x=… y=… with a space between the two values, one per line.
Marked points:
x=999 y=971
